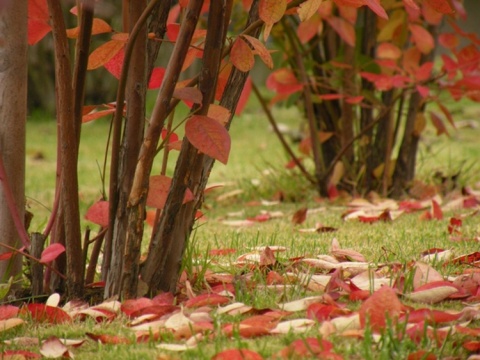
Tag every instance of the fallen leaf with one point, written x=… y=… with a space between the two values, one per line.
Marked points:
x=433 y=292
x=53 y=348
x=237 y=354
x=377 y=308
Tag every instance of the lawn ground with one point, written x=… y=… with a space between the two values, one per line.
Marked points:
x=254 y=174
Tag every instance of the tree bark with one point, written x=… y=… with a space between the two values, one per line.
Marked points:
x=13 y=107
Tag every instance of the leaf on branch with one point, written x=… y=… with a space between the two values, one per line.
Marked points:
x=438 y=124
x=159 y=186
x=190 y=94
x=411 y=3
x=115 y=64
x=271 y=11
x=209 y=137
x=38 y=18
x=307 y=9
x=387 y=50
x=219 y=113
x=375 y=6
x=260 y=50
x=241 y=55
x=343 y=28
x=98 y=213
x=442 y=6
x=156 y=78
x=422 y=38
x=306 y=30
x=96 y=115
x=99 y=26
x=104 y=53
x=51 y=253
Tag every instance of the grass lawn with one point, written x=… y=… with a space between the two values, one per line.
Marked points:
x=255 y=172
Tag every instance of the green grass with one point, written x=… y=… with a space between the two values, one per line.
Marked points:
x=256 y=168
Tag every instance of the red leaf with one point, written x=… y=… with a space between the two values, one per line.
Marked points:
x=159 y=186
x=98 y=213
x=241 y=55
x=157 y=77
x=8 y=312
x=206 y=299
x=421 y=355
x=473 y=346
x=442 y=6
x=209 y=137
x=115 y=64
x=38 y=18
x=6 y=256
x=131 y=306
x=46 y=314
x=51 y=253
x=19 y=354
x=306 y=30
x=237 y=354
x=382 y=304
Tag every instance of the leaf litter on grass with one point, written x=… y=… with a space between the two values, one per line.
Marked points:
x=346 y=295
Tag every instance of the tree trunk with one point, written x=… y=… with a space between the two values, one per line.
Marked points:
x=13 y=107
x=132 y=139
x=161 y=269
x=69 y=147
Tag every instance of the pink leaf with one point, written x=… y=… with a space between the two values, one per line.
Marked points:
x=209 y=137
x=54 y=348
x=98 y=213
x=51 y=253
x=422 y=38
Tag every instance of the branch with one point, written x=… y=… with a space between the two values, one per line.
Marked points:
x=280 y=136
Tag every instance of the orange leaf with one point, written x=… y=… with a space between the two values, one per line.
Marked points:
x=306 y=30
x=261 y=50
x=96 y=115
x=206 y=300
x=271 y=11
x=104 y=53
x=308 y=8
x=219 y=113
x=422 y=38
x=241 y=55
x=382 y=304
x=387 y=50
x=209 y=137
x=159 y=186
x=99 y=26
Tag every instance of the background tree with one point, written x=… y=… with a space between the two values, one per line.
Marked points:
x=13 y=114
